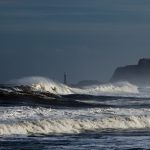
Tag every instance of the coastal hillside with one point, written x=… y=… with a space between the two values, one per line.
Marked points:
x=136 y=74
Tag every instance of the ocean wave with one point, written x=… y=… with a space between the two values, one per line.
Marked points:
x=48 y=85
x=33 y=121
x=112 y=88
x=42 y=84
x=73 y=126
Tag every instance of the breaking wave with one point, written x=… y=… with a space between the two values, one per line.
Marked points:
x=18 y=120
x=74 y=126
x=45 y=84
x=43 y=121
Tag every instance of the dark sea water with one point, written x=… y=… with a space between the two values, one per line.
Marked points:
x=25 y=128
x=105 y=117
x=107 y=141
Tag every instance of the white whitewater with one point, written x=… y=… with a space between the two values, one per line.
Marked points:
x=33 y=121
x=45 y=84
x=68 y=126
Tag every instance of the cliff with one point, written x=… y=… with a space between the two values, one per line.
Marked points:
x=136 y=74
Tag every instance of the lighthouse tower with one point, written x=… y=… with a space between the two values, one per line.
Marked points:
x=65 y=78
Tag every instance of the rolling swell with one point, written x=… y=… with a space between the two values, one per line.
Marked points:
x=38 y=91
x=25 y=96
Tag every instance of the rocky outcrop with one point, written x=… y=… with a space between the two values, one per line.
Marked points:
x=136 y=74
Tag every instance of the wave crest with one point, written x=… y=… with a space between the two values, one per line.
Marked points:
x=75 y=126
x=45 y=84
x=113 y=88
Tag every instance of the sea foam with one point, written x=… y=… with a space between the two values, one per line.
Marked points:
x=45 y=84
x=68 y=126
x=34 y=121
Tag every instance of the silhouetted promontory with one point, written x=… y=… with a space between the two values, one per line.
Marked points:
x=136 y=74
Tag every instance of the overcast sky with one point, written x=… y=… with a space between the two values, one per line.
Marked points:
x=87 y=39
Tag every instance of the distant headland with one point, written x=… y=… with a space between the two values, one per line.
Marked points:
x=136 y=74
